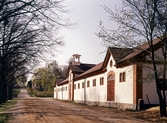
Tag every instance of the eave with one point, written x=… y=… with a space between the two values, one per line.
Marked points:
x=90 y=74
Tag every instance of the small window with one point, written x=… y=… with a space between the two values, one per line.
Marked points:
x=102 y=81
x=78 y=85
x=88 y=83
x=111 y=63
x=83 y=84
x=122 y=77
x=74 y=86
x=94 y=82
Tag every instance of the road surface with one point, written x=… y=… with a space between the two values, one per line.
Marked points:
x=48 y=110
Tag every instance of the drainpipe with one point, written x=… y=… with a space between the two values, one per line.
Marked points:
x=72 y=89
x=85 y=90
x=62 y=91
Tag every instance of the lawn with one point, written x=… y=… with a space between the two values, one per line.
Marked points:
x=151 y=114
x=4 y=117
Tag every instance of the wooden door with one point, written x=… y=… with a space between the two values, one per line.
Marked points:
x=110 y=90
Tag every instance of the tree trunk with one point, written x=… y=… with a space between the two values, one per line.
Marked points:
x=4 y=94
x=10 y=93
x=162 y=102
x=1 y=89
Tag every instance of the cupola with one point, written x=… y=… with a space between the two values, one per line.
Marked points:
x=76 y=59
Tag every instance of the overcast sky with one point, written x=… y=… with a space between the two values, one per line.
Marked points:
x=82 y=39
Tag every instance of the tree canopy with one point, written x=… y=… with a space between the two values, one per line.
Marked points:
x=44 y=78
x=28 y=30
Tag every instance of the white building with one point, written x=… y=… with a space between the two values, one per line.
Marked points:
x=118 y=81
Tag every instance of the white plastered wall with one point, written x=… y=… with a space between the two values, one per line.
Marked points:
x=55 y=92
x=98 y=93
x=61 y=92
x=92 y=93
x=123 y=90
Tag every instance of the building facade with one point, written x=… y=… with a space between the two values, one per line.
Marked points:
x=119 y=81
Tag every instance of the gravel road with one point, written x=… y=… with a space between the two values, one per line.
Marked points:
x=48 y=110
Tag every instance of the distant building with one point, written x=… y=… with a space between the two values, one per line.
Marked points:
x=118 y=81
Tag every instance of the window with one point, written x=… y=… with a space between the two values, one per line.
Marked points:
x=94 y=82
x=88 y=83
x=111 y=63
x=102 y=81
x=78 y=85
x=83 y=84
x=122 y=77
x=74 y=86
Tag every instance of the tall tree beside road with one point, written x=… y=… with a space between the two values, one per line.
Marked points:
x=44 y=78
x=28 y=29
x=141 y=21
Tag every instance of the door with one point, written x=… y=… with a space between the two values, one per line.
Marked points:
x=111 y=88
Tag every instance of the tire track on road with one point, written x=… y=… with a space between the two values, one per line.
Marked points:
x=48 y=110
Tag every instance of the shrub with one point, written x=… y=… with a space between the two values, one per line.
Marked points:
x=43 y=93
x=16 y=92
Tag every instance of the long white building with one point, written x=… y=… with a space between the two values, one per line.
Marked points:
x=119 y=81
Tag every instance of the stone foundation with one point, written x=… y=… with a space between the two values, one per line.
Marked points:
x=121 y=106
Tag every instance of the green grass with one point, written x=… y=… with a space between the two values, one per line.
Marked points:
x=4 y=118
x=3 y=107
x=16 y=92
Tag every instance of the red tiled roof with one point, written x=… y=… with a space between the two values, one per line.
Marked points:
x=139 y=49
x=95 y=68
x=119 y=53
x=81 y=68
x=62 y=82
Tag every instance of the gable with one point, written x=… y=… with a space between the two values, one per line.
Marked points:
x=117 y=54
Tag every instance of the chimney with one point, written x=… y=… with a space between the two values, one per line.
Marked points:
x=76 y=59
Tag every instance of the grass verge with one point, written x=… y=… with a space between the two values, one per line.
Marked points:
x=3 y=107
x=151 y=115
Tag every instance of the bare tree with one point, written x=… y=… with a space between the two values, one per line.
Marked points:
x=28 y=29
x=142 y=21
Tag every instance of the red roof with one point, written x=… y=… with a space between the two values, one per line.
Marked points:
x=62 y=82
x=138 y=50
x=119 y=55
x=81 y=68
x=94 y=69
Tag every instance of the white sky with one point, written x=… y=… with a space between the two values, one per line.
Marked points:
x=82 y=39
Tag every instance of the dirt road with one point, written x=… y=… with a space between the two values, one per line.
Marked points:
x=48 y=110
